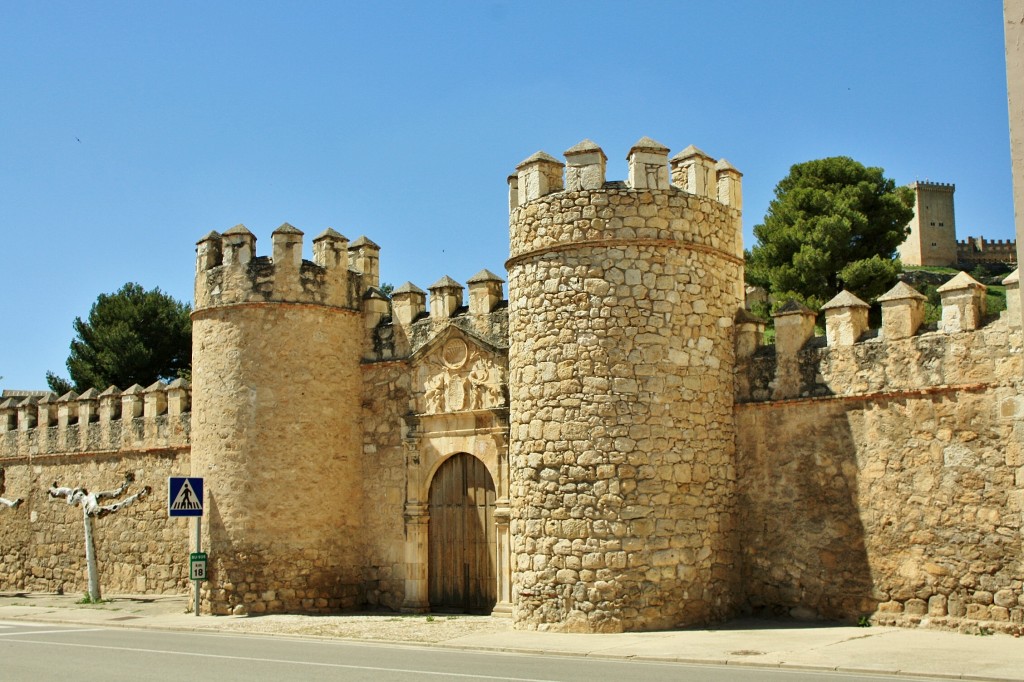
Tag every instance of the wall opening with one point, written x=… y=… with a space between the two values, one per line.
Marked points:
x=462 y=542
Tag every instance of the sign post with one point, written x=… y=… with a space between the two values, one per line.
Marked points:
x=185 y=498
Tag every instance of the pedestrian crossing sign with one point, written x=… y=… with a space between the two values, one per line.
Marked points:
x=185 y=496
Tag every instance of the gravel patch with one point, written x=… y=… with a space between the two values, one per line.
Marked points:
x=369 y=626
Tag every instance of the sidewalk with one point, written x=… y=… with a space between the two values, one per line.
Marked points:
x=916 y=653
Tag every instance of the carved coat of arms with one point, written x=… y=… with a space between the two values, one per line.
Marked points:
x=459 y=376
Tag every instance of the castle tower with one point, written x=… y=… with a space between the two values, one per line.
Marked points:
x=622 y=299
x=932 y=239
x=275 y=432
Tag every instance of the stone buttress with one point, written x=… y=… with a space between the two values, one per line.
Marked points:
x=622 y=298
x=276 y=402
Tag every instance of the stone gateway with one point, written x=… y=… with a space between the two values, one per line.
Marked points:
x=610 y=448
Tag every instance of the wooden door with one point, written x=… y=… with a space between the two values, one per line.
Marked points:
x=461 y=561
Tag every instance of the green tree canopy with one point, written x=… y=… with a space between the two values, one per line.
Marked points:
x=132 y=336
x=833 y=224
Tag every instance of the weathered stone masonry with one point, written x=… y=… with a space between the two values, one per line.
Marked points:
x=889 y=479
x=276 y=436
x=94 y=440
x=622 y=454
x=639 y=460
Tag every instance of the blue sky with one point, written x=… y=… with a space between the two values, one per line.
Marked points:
x=130 y=129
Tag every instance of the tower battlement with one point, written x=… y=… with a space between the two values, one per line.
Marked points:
x=932 y=237
x=691 y=199
x=265 y=332
x=228 y=271
x=938 y=186
x=691 y=171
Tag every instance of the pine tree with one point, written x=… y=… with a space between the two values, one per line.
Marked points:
x=833 y=224
x=132 y=336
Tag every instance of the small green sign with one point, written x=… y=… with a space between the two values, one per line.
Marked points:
x=197 y=565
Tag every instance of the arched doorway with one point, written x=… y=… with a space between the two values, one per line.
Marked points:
x=462 y=544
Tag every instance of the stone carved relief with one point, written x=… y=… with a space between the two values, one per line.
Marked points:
x=457 y=377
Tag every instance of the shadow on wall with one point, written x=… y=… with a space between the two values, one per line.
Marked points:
x=802 y=539
x=216 y=535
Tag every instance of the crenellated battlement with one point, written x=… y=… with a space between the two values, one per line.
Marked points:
x=413 y=322
x=690 y=200
x=228 y=271
x=853 y=359
x=978 y=251
x=616 y=445
x=691 y=171
x=983 y=244
x=941 y=186
x=155 y=417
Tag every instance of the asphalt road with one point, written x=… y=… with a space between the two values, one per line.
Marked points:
x=33 y=652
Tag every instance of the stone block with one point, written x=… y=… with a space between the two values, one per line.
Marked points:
x=937 y=606
x=915 y=607
x=978 y=612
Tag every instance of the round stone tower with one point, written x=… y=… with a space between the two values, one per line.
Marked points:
x=275 y=430
x=621 y=305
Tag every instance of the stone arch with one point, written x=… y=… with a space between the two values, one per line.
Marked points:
x=443 y=438
x=434 y=463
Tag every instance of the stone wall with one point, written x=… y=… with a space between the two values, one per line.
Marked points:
x=386 y=406
x=139 y=549
x=621 y=303
x=977 y=250
x=651 y=465
x=900 y=489
x=93 y=442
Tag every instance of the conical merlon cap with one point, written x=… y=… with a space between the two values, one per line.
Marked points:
x=646 y=144
x=844 y=299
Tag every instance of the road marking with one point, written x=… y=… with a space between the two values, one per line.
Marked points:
x=24 y=623
x=439 y=673
x=50 y=632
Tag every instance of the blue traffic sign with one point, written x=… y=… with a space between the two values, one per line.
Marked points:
x=185 y=496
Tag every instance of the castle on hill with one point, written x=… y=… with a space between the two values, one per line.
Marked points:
x=607 y=445
x=932 y=239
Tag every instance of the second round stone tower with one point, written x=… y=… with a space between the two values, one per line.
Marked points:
x=622 y=297
x=276 y=398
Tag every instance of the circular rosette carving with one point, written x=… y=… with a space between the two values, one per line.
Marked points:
x=454 y=353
